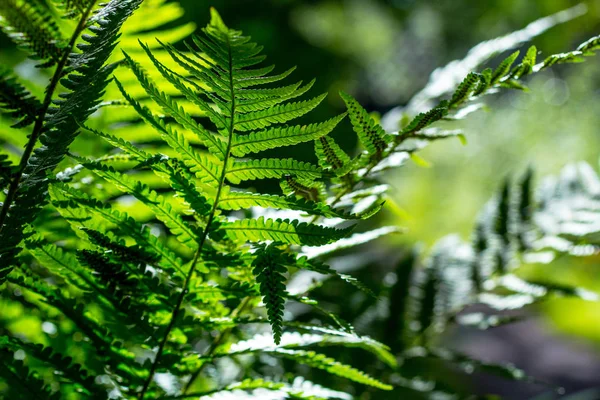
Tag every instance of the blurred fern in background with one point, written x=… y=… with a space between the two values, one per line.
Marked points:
x=177 y=220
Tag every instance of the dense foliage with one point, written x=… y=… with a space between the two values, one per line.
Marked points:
x=158 y=255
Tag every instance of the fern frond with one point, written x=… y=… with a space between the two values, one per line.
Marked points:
x=275 y=115
x=279 y=137
x=88 y=77
x=243 y=200
x=502 y=69
x=267 y=94
x=254 y=100
x=76 y=206
x=32 y=27
x=73 y=372
x=332 y=156
x=370 y=133
x=62 y=263
x=444 y=80
x=320 y=361
x=24 y=382
x=465 y=89
x=202 y=166
x=302 y=188
x=6 y=171
x=213 y=142
x=269 y=271
x=273 y=168
x=425 y=119
x=157 y=203
x=17 y=101
x=285 y=231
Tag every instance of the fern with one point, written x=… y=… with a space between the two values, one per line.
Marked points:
x=57 y=126
x=114 y=256
x=457 y=275
x=33 y=27
x=159 y=250
x=17 y=101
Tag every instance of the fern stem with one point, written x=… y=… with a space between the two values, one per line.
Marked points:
x=209 y=222
x=39 y=123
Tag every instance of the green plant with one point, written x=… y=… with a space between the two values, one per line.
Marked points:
x=83 y=74
x=156 y=268
x=516 y=228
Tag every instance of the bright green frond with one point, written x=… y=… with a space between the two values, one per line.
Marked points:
x=269 y=269
x=31 y=26
x=202 y=166
x=285 y=231
x=157 y=203
x=281 y=136
x=170 y=107
x=266 y=168
x=16 y=100
x=231 y=200
x=320 y=361
x=370 y=133
x=275 y=115
x=88 y=75
x=331 y=156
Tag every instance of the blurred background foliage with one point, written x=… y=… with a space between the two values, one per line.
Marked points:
x=383 y=51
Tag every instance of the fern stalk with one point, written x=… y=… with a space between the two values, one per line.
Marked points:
x=39 y=123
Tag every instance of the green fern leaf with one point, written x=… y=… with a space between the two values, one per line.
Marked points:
x=267 y=94
x=24 y=382
x=162 y=209
x=279 y=137
x=274 y=168
x=213 y=142
x=17 y=100
x=75 y=205
x=244 y=200
x=425 y=119
x=325 y=363
x=285 y=231
x=269 y=271
x=6 y=171
x=203 y=167
x=31 y=26
x=591 y=45
x=464 y=90
x=85 y=84
x=254 y=101
x=504 y=67
x=371 y=134
x=73 y=372
x=275 y=115
x=332 y=156
x=302 y=188
x=256 y=77
x=62 y=263
x=526 y=65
